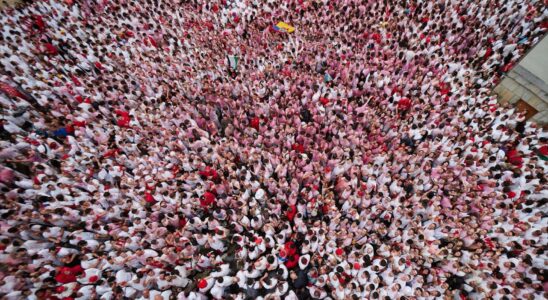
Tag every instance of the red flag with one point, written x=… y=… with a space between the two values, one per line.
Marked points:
x=11 y=91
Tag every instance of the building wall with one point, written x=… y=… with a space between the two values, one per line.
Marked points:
x=8 y=3
x=536 y=61
x=527 y=81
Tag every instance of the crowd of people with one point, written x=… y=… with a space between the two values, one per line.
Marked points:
x=193 y=150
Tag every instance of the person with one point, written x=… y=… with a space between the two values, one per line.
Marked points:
x=360 y=156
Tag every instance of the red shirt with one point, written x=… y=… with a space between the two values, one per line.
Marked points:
x=50 y=49
x=69 y=128
x=110 y=153
x=124 y=119
x=182 y=222
x=153 y=42
x=298 y=147
x=255 y=123
x=209 y=172
x=292 y=261
x=376 y=37
x=514 y=158
x=149 y=198
x=79 y=123
x=291 y=212
x=75 y=80
x=68 y=274
x=208 y=199
x=404 y=104
x=290 y=248
x=39 y=22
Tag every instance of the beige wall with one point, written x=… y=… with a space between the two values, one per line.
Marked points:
x=4 y=3
x=511 y=90
x=536 y=61
x=528 y=81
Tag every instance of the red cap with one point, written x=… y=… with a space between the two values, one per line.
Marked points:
x=357 y=266
x=339 y=252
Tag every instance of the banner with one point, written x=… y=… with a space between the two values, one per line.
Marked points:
x=233 y=61
x=284 y=27
x=11 y=91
